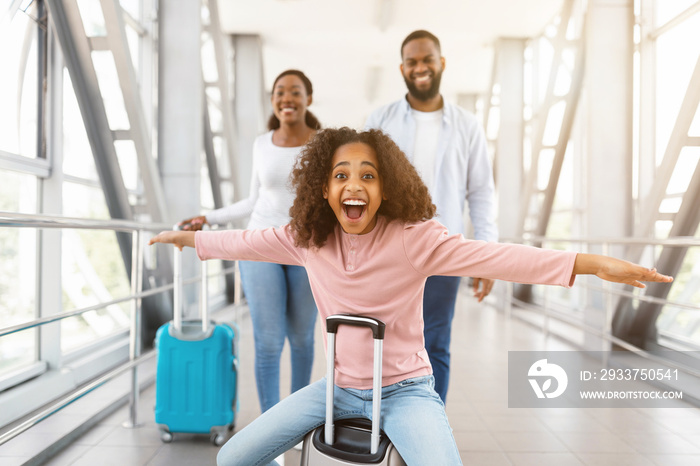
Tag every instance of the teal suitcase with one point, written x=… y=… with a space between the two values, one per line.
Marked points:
x=196 y=371
x=196 y=380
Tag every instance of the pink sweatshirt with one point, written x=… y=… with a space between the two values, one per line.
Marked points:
x=382 y=274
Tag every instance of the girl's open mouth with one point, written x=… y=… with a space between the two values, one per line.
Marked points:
x=354 y=208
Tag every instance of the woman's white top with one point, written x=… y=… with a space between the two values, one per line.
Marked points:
x=270 y=194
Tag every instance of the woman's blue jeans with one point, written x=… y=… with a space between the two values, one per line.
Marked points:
x=281 y=307
x=412 y=416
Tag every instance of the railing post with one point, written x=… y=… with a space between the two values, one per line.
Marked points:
x=509 y=300
x=204 y=296
x=237 y=293
x=545 y=312
x=607 y=304
x=177 y=288
x=135 y=331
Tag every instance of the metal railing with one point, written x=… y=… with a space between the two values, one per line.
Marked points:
x=138 y=230
x=605 y=333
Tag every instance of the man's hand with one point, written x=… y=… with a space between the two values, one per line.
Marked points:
x=486 y=285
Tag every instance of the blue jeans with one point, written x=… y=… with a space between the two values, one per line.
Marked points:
x=439 y=300
x=412 y=416
x=281 y=307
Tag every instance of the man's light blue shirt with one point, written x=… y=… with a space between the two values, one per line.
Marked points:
x=462 y=171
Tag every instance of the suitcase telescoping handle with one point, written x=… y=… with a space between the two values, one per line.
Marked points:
x=177 y=290
x=377 y=327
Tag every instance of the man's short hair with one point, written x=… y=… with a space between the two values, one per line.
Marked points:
x=420 y=34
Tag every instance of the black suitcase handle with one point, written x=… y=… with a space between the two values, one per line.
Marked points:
x=376 y=325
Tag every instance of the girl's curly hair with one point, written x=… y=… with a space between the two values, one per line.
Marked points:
x=407 y=197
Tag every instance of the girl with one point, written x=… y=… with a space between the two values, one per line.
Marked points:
x=360 y=225
x=279 y=297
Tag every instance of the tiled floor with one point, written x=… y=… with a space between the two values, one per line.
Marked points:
x=486 y=430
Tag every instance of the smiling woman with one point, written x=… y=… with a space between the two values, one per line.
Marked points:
x=292 y=93
x=276 y=294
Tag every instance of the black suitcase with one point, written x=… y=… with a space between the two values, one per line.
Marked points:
x=351 y=441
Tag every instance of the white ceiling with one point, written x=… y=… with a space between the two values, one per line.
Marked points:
x=350 y=49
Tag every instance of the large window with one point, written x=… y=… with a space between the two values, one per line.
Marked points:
x=665 y=69
x=677 y=51
x=17 y=273
x=19 y=97
x=92 y=273
x=36 y=92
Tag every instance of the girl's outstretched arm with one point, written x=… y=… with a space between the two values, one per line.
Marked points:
x=616 y=270
x=179 y=238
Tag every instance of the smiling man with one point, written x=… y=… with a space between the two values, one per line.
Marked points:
x=447 y=146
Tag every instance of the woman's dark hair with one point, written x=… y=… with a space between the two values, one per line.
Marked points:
x=311 y=120
x=407 y=197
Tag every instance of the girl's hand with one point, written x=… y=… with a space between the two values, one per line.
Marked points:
x=194 y=223
x=616 y=270
x=178 y=238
